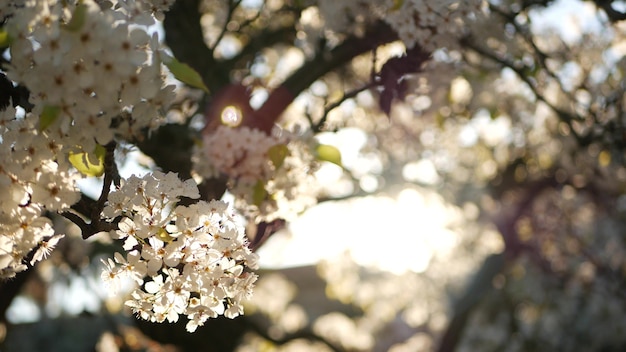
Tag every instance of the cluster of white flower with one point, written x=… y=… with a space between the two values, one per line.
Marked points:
x=61 y=51
x=271 y=177
x=195 y=257
x=346 y=16
x=239 y=153
x=140 y=8
x=292 y=188
x=432 y=24
x=32 y=183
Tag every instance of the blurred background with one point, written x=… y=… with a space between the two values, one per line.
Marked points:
x=485 y=212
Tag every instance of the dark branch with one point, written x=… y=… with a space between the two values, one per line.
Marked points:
x=478 y=288
x=325 y=61
x=611 y=12
x=232 y=6
x=541 y=57
x=264 y=231
x=566 y=117
x=11 y=288
x=318 y=127
x=185 y=38
x=302 y=334
x=481 y=284
x=93 y=209
x=264 y=39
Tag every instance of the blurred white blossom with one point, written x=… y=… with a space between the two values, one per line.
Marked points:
x=430 y=24
x=270 y=176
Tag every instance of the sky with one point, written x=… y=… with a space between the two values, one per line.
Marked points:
x=570 y=18
x=395 y=233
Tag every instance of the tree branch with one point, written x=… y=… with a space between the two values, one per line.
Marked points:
x=11 y=288
x=93 y=210
x=173 y=155
x=317 y=127
x=232 y=6
x=564 y=116
x=302 y=334
x=264 y=39
x=325 y=61
x=184 y=36
x=611 y=13
x=478 y=288
x=481 y=284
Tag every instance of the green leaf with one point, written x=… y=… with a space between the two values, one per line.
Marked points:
x=328 y=153
x=48 y=116
x=78 y=18
x=397 y=4
x=277 y=154
x=184 y=72
x=5 y=39
x=259 y=194
x=89 y=164
x=164 y=236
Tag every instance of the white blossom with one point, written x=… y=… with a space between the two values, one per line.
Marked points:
x=45 y=247
x=33 y=182
x=192 y=260
x=270 y=176
x=61 y=65
x=430 y=24
x=60 y=50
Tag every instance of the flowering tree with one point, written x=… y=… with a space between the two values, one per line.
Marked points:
x=523 y=130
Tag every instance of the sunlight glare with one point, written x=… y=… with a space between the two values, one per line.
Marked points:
x=396 y=234
x=231 y=116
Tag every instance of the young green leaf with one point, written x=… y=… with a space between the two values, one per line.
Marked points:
x=277 y=154
x=48 y=116
x=397 y=4
x=328 y=153
x=78 y=18
x=184 y=72
x=89 y=164
x=258 y=193
x=5 y=39
x=164 y=236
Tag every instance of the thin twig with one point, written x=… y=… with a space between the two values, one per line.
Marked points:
x=563 y=115
x=232 y=6
x=323 y=62
x=93 y=210
x=78 y=221
x=302 y=334
x=110 y=174
x=613 y=14
x=249 y=21
x=348 y=95
x=540 y=56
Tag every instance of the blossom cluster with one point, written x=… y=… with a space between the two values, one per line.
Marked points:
x=293 y=187
x=142 y=8
x=32 y=182
x=270 y=176
x=240 y=153
x=61 y=50
x=188 y=260
x=191 y=260
x=432 y=24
